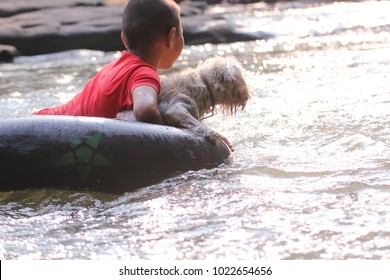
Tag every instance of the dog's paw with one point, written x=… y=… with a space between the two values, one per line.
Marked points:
x=216 y=137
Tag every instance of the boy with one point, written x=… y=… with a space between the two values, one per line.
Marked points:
x=153 y=36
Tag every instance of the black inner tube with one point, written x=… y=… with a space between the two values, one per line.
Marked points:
x=97 y=154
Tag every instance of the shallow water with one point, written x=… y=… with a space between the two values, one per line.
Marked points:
x=311 y=178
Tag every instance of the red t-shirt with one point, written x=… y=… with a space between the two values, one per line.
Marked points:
x=110 y=91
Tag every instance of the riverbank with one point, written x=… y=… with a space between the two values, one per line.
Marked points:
x=43 y=26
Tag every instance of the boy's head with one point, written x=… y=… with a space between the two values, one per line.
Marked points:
x=145 y=22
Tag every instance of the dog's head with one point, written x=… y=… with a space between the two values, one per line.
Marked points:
x=224 y=78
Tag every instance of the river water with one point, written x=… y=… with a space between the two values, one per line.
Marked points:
x=311 y=176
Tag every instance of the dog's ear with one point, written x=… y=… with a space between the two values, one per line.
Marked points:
x=225 y=69
x=228 y=73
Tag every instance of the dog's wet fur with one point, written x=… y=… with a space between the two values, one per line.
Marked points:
x=187 y=97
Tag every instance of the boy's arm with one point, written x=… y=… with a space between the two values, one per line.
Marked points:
x=145 y=106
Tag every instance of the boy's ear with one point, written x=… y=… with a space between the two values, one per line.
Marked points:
x=123 y=39
x=171 y=38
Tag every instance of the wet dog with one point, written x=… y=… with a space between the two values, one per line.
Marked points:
x=187 y=97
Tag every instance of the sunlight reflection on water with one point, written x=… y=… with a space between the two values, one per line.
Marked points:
x=312 y=161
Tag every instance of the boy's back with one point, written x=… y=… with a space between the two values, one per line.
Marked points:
x=109 y=92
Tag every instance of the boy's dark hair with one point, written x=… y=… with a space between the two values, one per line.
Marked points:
x=146 y=21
